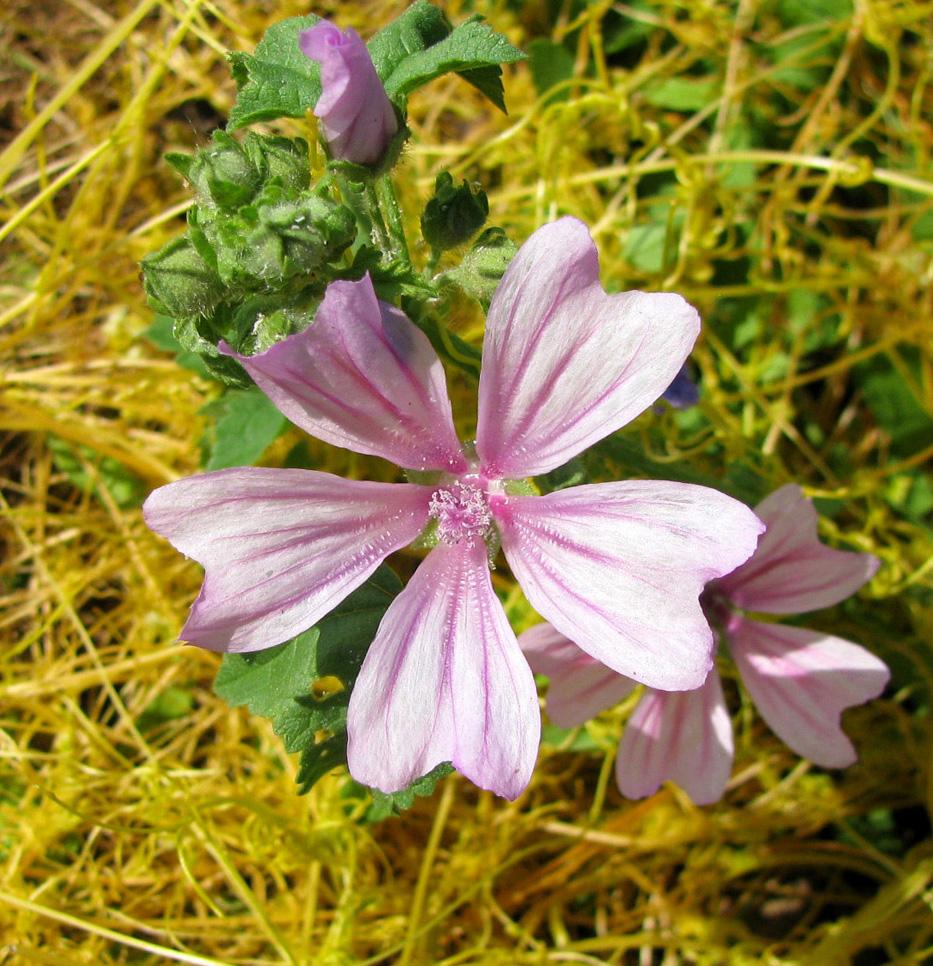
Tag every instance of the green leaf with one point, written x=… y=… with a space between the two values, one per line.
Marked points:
x=551 y=64
x=278 y=80
x=247 y=423
x=304 y=685
x=385 y=806
x=162 y=335
x=473 y=49
x=682 y=93
x=894 y=395
x=87 y=470
x=421 y=26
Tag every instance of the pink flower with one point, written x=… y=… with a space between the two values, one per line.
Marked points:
x=800 y=680
x=619 y=566
x=356 y=116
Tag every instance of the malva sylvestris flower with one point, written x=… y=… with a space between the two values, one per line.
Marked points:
x=356 y=115
x=619 y=566
x=800 y=680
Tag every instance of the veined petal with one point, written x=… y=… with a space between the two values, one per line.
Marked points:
x=280 y=548
x=801 y=681
x=792 y=572
x=580 y=686
x=619 y=567
x=565 y=364
x=363 y=376
x=679 y=736
x=445 y=680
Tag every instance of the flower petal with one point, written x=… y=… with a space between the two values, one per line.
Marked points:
x=565 y=364
x=364 y=377
x=580 y=686
x=280 y=548
x=681 y=736
x=792 y=572
x=618 y=568
x=801 y=681
x=444 y=680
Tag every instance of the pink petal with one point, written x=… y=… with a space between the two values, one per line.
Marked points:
x=364 y=377
x=792 y=572
x=444 y=680
x=565 y=364
x=356 y=115
x=619 y=567
x=580 y=686
x=801 y=681
x=280 y=548
x=679 y=736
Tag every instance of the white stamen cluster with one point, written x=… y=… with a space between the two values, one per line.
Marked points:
x=462 y=513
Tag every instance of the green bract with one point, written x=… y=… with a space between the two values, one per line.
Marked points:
x=454 y=214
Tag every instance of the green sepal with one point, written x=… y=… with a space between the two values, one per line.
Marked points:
x=180 y=162
x=199 y=336
x=277 y=237
x=284 y=162
x=304 y=685
x=262 y=321
x=179 y=279
x=224 y=174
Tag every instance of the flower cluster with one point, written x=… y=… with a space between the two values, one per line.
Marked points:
x=618 y=567
x=277 y=283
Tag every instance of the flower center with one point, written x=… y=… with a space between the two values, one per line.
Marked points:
x=462 y=513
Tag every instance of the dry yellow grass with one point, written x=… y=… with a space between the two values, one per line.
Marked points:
x=143 y=821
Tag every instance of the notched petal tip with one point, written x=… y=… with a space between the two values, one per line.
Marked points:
x=792 y=572
x=565 y=363
x=684 y=737
x=444 y=680
x=802 y=680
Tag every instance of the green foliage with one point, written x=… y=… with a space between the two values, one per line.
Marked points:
x=169 y=705
x=88 y=470
x=893 y=395
x=473 y=50
x=278 y=80
x=384 y=806
x=304 y=685
x=551 y=64
x=245 y=424
x=454 y=213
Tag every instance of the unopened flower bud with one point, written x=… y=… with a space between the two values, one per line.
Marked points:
x=313 y=231
x=356 y=115
x=282 y=161
x=278 y=237
x=454 y=214
x=180 y=280
x=223 y=174
x=484 y=265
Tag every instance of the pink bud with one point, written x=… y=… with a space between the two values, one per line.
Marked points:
x=356 y=115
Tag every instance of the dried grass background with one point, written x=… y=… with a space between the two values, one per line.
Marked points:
x=143 y=821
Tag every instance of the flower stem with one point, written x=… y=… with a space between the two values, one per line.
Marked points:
x=388 y=203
